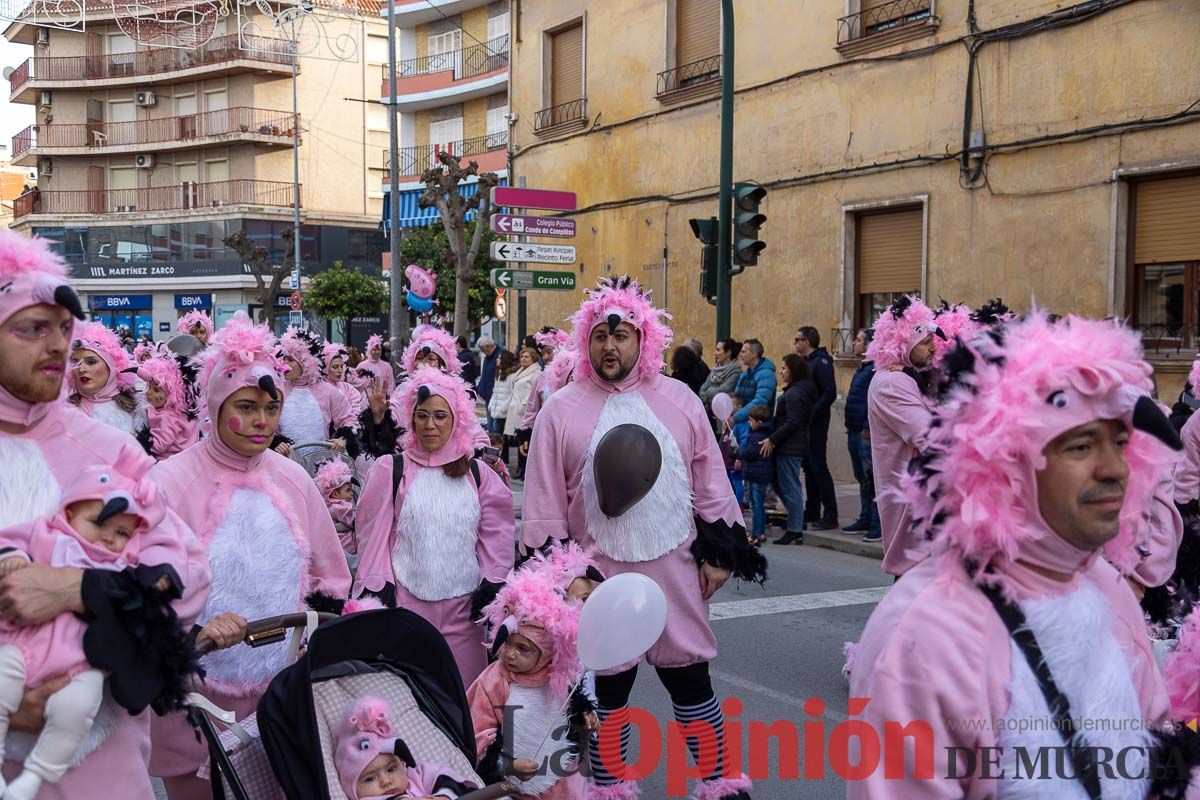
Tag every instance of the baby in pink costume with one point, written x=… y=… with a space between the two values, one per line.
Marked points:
x=333 y=480
x=107 y=521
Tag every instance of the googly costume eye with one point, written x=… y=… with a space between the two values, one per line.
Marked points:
x=364 y=744
x=104 y=478
x=1059 y=399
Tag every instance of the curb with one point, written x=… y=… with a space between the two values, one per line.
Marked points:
x=844 y=543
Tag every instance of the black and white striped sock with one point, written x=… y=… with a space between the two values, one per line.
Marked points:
x=701 y=747
x=600 y=747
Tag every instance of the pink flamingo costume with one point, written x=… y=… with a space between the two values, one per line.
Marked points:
x=315 y=410
x=103 y=342
x=174 y=427
x=347 y=389
x=690 y=516
x=431 y=339
x=936 y=648
x=436 y=545
x=377 y=366
x=193 y=318
x=330 y=477
x=265 y=529
x=57 y=441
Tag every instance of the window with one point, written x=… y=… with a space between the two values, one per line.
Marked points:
x=445 y=45
x=377 y=117
x=216 y=171
x=1166 y=261
x=497 y=121
x=216 y=100
x=697 y=31
x=121 y=178
x=888 y=258
x=185 y=110
x=884 y=15
x=871 y=24
x=121 y=54
x=122 y=111
x=377 y=49
x=497 y=20
x=445 y=131
x=566 y=65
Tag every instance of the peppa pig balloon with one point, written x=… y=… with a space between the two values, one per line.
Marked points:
x=421 y=285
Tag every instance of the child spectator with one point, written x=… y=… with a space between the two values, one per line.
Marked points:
x=758 y=471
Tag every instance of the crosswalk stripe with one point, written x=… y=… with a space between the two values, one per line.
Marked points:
x=735 y=609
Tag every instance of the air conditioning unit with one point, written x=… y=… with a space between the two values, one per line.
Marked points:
x=43 y=36
x=146 y=99
x=45 y=166
x=143 y=160
x=45 y=98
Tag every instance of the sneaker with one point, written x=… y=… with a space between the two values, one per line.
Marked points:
x=824 y=525
x=873 y=537
x=858 y=526
x=789 y=538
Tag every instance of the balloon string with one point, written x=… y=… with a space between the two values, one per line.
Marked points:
x=561 y=712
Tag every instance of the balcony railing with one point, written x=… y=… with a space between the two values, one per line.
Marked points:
x=688 y=75
x=176 y=197
x=415 y=160
x=886 y=17
x=574 y=111
x=152 y=62
x=468 y=62
x=1167 y=339
x=179 y=129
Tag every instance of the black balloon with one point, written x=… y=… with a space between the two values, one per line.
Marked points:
x=626 y=465
x=184 y=344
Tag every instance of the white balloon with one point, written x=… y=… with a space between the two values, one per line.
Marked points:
x=722 y=406
x=621 y=620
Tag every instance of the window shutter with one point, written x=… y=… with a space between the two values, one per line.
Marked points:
x=1167 y=229
x=697 y=30
x=566 y=53
x=889 y=252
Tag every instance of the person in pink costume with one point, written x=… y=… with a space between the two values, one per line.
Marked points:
x=687 y=532
x=109 y=522
x=431 y=346
x=333 y=480
x=336 y=359
x=436 y=537
x=101 y=379
x=264 y=526
x=537 y=677
x=898 y=412
x=196 y=323
x=44 y=444
x=1044 y=454
x=373 y=763
x=1181 y=673
x=376 y=368
x=1187 y=471
x=315 y=410
x=550 y=341
x=170 y=403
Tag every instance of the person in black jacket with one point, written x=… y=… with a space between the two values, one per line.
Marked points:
x=858 y=442
x=822 y=511
x=790 y=443
x=686 y=366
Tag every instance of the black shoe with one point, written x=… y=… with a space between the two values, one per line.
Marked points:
x=789 y=538
x=825 y=525
x=878 y=537
x=858 y=526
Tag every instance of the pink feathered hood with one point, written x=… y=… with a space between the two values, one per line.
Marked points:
x=550 y=336
x=176 y=377
x=241 y=354
x=193 y=318
x=373 y=341
x=428 y=337
x=955 y=322
x=306 y=347
x=332 y=474
x=898 y=330
x=428 y=382
x=617 y=300
x=560 y=370
x=104 y=343
x=563 y=563
x=110 y=484
x=333 y=350
x=1011 y=391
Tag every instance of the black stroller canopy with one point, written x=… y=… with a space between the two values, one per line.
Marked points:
x=386 y=640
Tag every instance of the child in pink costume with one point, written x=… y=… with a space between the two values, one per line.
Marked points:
x=373 y=763
x=936 y=649
x=333 y=480
x=107 y=521
x=535 y=675
x=376 y=367
x=430 y=340
x=170 y=403
x=437 y=544
x=115 y=402
x=315 y=410
x=196 y=323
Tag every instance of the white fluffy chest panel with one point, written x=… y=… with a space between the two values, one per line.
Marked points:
x=660 y=521
x=1092 y=670
x=258 y=570
x=302 y=419
x=111 y=414
x=28 y=488
x=539 y=732
x=434 y=555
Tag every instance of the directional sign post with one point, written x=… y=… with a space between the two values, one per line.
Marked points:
x=519 y=197
x=533 y=253
x=557 y=227
x=528 y=279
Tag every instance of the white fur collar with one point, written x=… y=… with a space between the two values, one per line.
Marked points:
x=258 y=571
x=538 y=732
x=28 y=488
x=1092 y=670
x=434 y=555
x=111 y=414
x=302 y=419
x=660 y=521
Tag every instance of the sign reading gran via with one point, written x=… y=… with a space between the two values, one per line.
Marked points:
x=529 y=279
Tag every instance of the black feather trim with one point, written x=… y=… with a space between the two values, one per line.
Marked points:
x=524 y=435
x=991 y=313
x=347 y=434
x=134 y=634
x=280 y=439
x=578 y=706
x=1174 y=756
x=378 y=440
x=900 y=305
x=321 y=602
x=386 y=595
x=493 y=765
x=725 y=546
x=484 y=594
x=146 y=440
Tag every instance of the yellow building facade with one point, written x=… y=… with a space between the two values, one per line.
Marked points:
x=964 y=150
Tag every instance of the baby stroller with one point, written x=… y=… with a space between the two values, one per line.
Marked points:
x=389 y=653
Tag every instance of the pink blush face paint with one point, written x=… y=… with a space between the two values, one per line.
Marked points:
x=235 y=424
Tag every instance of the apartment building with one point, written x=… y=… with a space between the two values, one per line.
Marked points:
x=1056 y=158
x=451 y=93
x=149 y=156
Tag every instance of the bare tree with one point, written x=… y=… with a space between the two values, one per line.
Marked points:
x=268 y=275
x=441 y=192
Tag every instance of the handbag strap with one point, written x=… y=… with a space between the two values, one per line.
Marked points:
x=1014 y=619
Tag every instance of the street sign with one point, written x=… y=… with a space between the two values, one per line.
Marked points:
x=500 y=307
x=560 y=227
x=528 y=279
x=294 y=301
x=296 y=319
x=295 y=281
x=513 y=197
x=533 y=253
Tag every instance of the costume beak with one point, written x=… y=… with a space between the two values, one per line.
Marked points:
x=941 y=334
x=502 y=633
x=613 y=321
x=114 y=506
x=65 y=296
x=594 y=574
x=267 y=384
x=1149 y=418
x=423 y=394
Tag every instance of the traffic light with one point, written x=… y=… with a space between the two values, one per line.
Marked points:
x=746 y=221
x=706 y=231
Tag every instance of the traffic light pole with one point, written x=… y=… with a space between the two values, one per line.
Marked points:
x=725 y=200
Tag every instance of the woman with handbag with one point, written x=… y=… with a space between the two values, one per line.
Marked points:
x=523 y=385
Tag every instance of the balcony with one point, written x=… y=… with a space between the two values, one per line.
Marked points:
x=561 y=118
x=410 y=13
x=144 y=67
x=491 y=153
x=689 y=81
x=175 y=199
x=431 y=81
x=186 y=132
x=886 y=25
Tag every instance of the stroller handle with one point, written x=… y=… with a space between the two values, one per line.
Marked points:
x=492 y=792
x=269 y=630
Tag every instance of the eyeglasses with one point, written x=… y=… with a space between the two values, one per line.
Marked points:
x=438 y=417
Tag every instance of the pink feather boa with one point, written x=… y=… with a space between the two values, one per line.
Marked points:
x=895 y=337
x=436 y=340
x=162 y=367
x=1182 y=672
x=957 y=323
x=21 y=254
x=561 y=369
x=623 y=296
